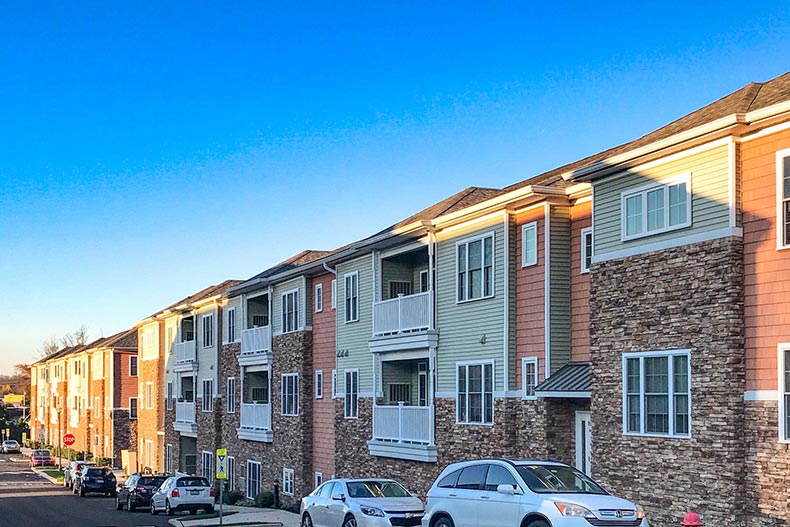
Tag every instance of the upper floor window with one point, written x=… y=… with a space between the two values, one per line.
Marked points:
x=333 y=285
x=231 y=313
x=133 y=366
x=783 y=198
x=351 y=399
x=475 y=264
x=656 y=208
x=208 y=330
x=290 y=311
x=587 y=249
x=352 y=297
x=208 y=395
x=529 y=376
x=289 y=392
x=529 y=244
x=319 y=298
x=657 y=393
x=319 y=384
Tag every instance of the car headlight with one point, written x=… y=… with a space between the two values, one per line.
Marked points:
x=576 y=511
x=372 y=511
x=640 y=512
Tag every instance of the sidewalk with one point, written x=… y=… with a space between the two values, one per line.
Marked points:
x=247 y=516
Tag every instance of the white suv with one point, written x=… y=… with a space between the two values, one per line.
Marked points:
x=512 y=493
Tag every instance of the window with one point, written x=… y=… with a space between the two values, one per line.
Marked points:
x=586 y=249
x=232 y=324
x=656 y=208
x=208 y=395
x=471 y=478
x=475 y=393
x=132 y=365
x=149 y=337
x=319 y=298
x=230 y=467
x=352 y=297
x=231 y=396
x=498 y=475
x=171 y=339
x=334 y=294
x=784 y=393
x=169 y=459
x=334 y=383
x=398 y=287
x=529 y=376
x=132 y=408
x=208 y=330
x=424 y=281
x=319 y=384
x=253 y=479
x=475 y=264
x=290 y=394
x=400 y=392
x=207 y=459
x=169 y=398
x=290 y=309
x=288 y=481
x=319 y=479
x=352 y=393
x=783 y=198
x=529 y=244
x=149 y=395
x=657 y=393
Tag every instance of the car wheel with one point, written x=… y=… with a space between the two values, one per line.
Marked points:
x=444 y=521
x=350 y=522
x=153 y=508
x=129 y=506
x=538 y=523
x=168 y=510
x=118 y=504
x=82 y=492
x=307 y=521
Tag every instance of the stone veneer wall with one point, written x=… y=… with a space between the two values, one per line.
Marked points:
x=687 y=297
x=768 y=480
x=209 y=430
x=172 y=437
x=124 y=435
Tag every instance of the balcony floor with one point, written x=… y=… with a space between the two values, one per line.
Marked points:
x=411 y=451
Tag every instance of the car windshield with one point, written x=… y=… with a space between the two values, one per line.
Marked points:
x=192 y=482
x=376 y=489
x=9 y=443
x=151 y=482
x=98 y=472
x=558 y=479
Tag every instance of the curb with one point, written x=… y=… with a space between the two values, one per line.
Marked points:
x=47 y=477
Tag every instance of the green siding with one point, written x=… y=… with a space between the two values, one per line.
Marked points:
x=514 y=262
x=559 y=286
x=462 y=326
x=276 y=317
x=353 y=337
x=710 y=199
x=395 y=272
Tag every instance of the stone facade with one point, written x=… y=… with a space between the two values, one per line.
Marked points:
x=769 y=466
x=689 y=297
x=124 y=434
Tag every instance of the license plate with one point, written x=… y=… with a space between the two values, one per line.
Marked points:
x=195 y=492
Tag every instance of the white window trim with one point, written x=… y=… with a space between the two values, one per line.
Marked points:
x=288 y=474
x=230 y=395
x=533 y=226
x=209 y=397
x=231 y=468
x=203 y=330
x=210 y=473
x=170 y=391
x=784 y=431
x=318 y=479
x=583 y=266
x=319 y=298
x=345 y=391
x=297 y=316
x=670 y=388
x=346 y=319
x=283 y=393
x=248 y=479
x=149 y=401
x=493 y=390
x=136 y=408
x=780 y=224
x=137 y=364
x=334 y=384
x=334 y=293
x=524 y=362
x=236 y=332
x=319 y=384
x=643 y=190
x=465 y=241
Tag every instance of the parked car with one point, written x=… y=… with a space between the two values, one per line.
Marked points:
x=97 y=480
x=183 y=493
x=71 y=473
x=41 y=458
x=10 y=446
x=137 y=491
x=361 y=503
x=526 y=493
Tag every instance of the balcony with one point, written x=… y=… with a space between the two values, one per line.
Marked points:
x=75 y=382
x=256 y=422
x=403 y=323
x=404 y=432
x=256 y=341
x=74 y=418
x=185 y=417
x=185 y=351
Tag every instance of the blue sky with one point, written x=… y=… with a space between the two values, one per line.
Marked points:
x=149 y=149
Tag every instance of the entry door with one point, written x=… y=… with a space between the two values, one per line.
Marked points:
x=583 y=442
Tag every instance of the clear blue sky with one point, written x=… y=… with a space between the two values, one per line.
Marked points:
x=149 y=149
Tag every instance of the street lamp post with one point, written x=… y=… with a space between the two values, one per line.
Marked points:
x=60 y=436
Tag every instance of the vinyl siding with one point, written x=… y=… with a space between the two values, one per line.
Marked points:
x=232 y=303
x=559 y=287
x=324 y=348
x=395 y=272
x=206 y=357
x=276 y=318
x=710 y=198
x=580 y=286
x=352 y=337
x=462 y=326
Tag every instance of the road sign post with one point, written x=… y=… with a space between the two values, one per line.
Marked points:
x=222 y=474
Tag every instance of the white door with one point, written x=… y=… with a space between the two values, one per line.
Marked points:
x=583 y=442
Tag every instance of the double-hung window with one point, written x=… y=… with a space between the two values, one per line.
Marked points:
x=529 y=244
x=231 y=314
x=475 y=394
x=351 y=291
x=350 y=402
x=784 y=393
x=783 y=198
x=253 y=479
x=207 y=459
x=288 y=481
x=475 y=264
x=208 y=395
x=230 y=483
x=208 y=330
x=319 y=298
x=132 y=408
x=290 y=311
x=657 y=393
x=656 y=208
x=169 y=459
x=149 y=396
x=230 y=405
x=319 y=384
x=289 y=391
x=133 y=366
x=586 y=249
x=169 y=395
x=529 y=376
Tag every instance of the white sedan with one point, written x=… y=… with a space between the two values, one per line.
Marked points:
x=361 y=503
x=184 y=493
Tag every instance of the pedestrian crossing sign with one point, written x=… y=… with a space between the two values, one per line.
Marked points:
x=222 y=463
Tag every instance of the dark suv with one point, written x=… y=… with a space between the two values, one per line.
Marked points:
x=137 y=491
x=95 y=479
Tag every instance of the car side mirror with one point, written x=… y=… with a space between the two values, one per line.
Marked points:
x=341 y=497
x=510 y=490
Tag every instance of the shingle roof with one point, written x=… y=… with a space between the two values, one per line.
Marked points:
x=573 y=377
x=208 y=292
x=302 y=258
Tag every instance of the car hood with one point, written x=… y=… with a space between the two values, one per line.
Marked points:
x=594 y=502
x=392 y=504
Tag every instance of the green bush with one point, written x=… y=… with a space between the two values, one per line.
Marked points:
x=232 y=497
x=264 y=500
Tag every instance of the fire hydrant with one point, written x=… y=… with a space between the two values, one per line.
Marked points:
x=691 y=519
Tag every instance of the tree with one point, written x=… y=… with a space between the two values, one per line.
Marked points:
x=75 y=338
x=49 y=347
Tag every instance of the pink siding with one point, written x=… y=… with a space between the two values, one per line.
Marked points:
x=580 y=286
x=324 y=359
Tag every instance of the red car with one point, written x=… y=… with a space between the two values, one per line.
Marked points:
x=41 y=458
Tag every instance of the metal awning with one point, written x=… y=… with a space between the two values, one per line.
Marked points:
x=570 y=381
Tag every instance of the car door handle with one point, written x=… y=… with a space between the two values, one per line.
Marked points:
x=484 y=497
x=452 y=494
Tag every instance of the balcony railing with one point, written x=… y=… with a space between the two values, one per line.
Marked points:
x=74 y=418
x=256 y=340
x=185 y=412
x=402 y=314
x=75 y=381
x=403 y=424
x=256 y=416
x=185 y=351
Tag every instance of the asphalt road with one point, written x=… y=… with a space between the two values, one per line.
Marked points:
x=28 y=500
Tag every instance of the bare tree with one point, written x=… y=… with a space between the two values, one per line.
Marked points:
x=76 y=337
x=49 y=347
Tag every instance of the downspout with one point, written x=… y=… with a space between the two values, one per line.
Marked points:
x=506 y=295
x=329 y=269
x=547 y=288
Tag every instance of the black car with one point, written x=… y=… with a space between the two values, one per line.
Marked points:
x=137 y=491
x=72 y=473
x=95 y=479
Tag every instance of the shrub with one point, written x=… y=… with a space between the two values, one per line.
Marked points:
x=232 y=497
x=264 y=500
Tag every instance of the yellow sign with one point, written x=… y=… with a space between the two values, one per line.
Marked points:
x=222 y=462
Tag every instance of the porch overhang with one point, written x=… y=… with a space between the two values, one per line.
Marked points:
x=404 y=342
x=572 y=381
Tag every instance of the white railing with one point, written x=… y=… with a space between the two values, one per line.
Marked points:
x=185 y=412
x=402 y=314
x=256 y=416
x=74 y=418
x=256 y=340
x=185 y=351
x=75 y=381
x=403 y=424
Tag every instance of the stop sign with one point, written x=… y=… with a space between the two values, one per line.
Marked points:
x=69 y=439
